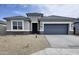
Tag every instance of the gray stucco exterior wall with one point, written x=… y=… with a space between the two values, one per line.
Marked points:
x=70 y=28
x=76 y=25
x=26 y=30
x=8 y=25
x=26 y=25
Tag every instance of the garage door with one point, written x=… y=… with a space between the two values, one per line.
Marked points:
x=55 y=28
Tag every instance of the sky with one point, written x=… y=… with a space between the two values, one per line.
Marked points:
x=67 y=10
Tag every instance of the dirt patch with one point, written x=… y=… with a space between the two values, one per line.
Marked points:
x=22 y=44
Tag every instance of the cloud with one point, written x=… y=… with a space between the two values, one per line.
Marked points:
x=68 y=10
x=24 y=5
x=19 y=13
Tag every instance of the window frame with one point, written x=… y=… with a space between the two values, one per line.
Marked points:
x=14 y=25
x=17 y=24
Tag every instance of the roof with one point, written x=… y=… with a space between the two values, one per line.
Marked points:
x=34 y=14
x=76 y=22
x=44 y=18
x=16 y=18
x=57 y=18
x=2 y=22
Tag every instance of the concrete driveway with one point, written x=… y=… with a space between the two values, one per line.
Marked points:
x=61 y=45
x=63 y=41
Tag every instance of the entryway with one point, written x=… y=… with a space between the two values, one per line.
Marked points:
x=34 y=28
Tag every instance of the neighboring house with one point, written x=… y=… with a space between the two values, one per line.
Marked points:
x=2 y=27
x=37 y=23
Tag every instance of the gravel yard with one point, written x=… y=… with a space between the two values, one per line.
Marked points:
x=22 y=44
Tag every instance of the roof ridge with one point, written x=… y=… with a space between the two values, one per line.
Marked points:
x=60 y=16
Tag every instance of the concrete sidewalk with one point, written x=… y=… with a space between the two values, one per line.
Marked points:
x=59 y=51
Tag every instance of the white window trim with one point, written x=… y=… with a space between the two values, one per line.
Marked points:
x=17 y=21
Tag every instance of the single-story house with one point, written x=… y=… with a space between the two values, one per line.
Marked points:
x=38 y=23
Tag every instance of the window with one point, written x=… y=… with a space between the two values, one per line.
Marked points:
x=14 y=25
x=17 y=25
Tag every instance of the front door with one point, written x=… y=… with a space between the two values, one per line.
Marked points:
x=34 y=28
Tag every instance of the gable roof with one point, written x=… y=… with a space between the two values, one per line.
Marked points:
x=57 y=18
x=16 y=18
